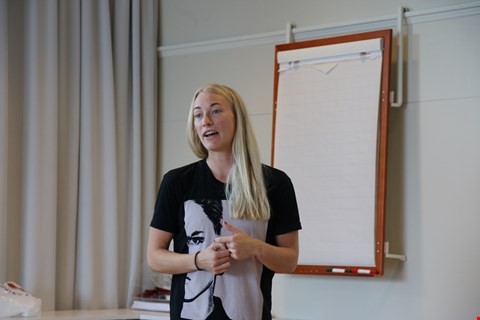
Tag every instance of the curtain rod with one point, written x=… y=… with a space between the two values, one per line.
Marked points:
x=304 y=33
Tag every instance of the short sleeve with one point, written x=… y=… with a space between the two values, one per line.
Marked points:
x=283 y=203
x=165 y=216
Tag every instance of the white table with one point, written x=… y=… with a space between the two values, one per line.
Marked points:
x=118 y=314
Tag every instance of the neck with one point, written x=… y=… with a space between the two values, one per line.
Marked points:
x=220 y=165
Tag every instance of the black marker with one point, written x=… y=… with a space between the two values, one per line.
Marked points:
x=339 y=270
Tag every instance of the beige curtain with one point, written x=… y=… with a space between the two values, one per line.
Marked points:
x=78 y=128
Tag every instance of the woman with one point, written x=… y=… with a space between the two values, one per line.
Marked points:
x=234 y=222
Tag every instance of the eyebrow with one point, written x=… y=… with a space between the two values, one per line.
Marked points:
x=210 y=106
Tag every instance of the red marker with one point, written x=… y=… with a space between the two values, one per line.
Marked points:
x=363 y=271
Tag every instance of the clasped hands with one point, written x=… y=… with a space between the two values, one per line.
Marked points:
x=216 y=257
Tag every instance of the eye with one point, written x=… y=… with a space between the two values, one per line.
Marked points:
x=198 y=116
x=195 y=238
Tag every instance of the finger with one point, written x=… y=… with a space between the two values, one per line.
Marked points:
x=219 y=246
x=224 y=239
x=222 y=268
x=231 y=228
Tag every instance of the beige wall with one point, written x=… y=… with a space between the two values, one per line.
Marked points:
x=433 y=209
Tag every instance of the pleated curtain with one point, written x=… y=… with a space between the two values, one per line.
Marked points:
x=78 y=148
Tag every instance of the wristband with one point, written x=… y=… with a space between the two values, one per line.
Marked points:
x=195 y=261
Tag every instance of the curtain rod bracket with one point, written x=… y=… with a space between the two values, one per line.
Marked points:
x=289 y=33
x=400 y=36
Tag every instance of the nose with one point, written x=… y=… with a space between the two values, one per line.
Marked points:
x=206 y=120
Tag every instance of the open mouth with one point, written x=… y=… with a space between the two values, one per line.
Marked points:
x=210 y=133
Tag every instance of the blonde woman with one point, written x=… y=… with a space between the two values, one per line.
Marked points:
x=234 y=221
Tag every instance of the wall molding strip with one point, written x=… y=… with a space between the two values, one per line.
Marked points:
x=321 y=31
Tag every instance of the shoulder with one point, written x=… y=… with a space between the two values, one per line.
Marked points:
x=176 y=180
x=274 y=177
x=184 y=172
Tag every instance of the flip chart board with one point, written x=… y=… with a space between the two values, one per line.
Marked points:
x=330 y=134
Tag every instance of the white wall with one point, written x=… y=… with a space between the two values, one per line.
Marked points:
x=433 y=196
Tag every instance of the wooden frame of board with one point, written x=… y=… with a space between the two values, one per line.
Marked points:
x=382 y=145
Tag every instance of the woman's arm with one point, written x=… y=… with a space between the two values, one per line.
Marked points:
x=214 y=258
x=281 y=258
x=160 y=259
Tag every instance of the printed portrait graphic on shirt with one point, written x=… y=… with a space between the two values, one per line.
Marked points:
x=205 y=217
x=205 y=292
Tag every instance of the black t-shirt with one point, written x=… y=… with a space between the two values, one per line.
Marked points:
x=191 y=204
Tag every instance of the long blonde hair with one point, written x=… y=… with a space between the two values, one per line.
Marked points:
x=245 y=188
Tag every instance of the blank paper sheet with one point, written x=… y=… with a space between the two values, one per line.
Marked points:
x=326 y=140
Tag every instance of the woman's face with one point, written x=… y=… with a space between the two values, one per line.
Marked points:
x=214 y=122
